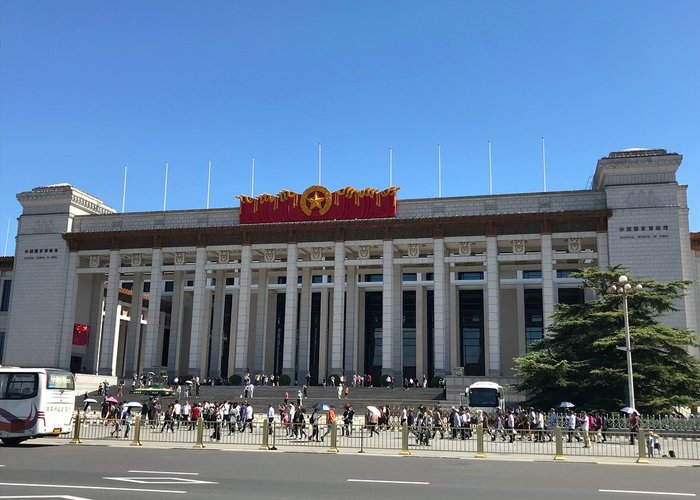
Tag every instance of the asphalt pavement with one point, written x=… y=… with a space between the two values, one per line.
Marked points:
x=52 y=470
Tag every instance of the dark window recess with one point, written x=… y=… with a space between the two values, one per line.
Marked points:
x=429 y=277
x=470 y=275
x=373 y=278
x=410 y=277
x=281 y=280
x=532 y=275
x=190 y=282
x=316 y=278
x=128 y=285
x=534 y=327
x=471 y=325
x=169 y=286
x=570 y=296
x=373 y=334
x=6 y=291
x=409 y=334
x=230 y=281
x=565 y=273
x=146 y=287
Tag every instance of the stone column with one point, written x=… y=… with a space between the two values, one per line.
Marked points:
x=233 y=328
x=200 y=308
x=602 y=248
x=150 y=356
x=440 y=309
x=338 y=328
x=493 y=299
x=133 y=336
x=351 y=319
x=305 y=321
x=176 y=315
x=243 y=327
x=110 y=328
x=548 y=291
x=66 y=337
x=421 y=333
x=218 y=324
x=289 y=362
x=261 y=326
x=387 y=309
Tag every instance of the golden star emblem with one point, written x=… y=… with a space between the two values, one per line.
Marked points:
x=316 y=200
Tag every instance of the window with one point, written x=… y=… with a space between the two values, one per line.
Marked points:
x=471 y=275
x=18 y=385
x=429 y=276
x=564 y=273
x=6 y=289
x=59 y=380
x=169 y=286
x=190 y=283
x=229 y=281
x=128 y=285
x=316 y=278
x=373 y=278
x=2 y=346
x=281 y=280
x=534 y=328
x=532 y=275
x=410 y=277
x=146 y=287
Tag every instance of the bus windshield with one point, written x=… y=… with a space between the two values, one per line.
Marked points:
x=18 y=385
x=483 y=397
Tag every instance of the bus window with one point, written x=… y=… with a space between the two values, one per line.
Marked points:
x=483 y=397
x=59 y=380
x=19 y=385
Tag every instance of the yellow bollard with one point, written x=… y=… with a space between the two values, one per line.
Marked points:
x=404 y=440
x=480 y=442
x=76 y=429
x=333 y=448
x=137 y=431
x=642 y=458
x=559 y=443
x=200 y=434
x=265 y=438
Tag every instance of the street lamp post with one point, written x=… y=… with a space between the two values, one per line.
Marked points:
x=624 y=288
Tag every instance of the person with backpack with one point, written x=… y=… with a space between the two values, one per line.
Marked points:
x=313 y=420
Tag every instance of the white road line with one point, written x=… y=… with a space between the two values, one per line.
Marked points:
x=164 y=472
x=385 y=481
x=80 y=487
x=64 y=497
x=159 y=480
x=633 y=492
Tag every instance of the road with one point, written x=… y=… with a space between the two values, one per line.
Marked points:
x=36 y=470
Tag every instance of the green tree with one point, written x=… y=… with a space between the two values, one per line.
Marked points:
x=578 y=360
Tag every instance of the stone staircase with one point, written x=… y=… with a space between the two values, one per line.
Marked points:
x=263 y=396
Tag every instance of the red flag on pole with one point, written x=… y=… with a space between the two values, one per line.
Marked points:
x=80 y=334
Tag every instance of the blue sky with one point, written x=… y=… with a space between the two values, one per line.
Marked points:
x=86 y=87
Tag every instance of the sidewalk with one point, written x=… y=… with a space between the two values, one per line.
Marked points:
x=654 y=462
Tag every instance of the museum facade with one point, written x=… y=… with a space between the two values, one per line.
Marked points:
x=351 y=281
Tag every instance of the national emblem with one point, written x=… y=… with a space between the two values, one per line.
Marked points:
x=316 y=198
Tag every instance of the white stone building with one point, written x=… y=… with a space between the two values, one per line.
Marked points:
x=449 y=284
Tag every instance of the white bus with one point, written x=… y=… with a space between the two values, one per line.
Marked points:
x=485 y=396
x=35 y=402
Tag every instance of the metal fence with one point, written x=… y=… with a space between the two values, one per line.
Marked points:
x=471 y=440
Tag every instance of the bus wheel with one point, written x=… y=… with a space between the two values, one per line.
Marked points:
x=12 y=441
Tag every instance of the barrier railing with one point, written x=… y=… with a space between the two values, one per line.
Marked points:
x=558 y=443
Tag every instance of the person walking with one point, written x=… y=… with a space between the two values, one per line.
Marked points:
x=330 y=419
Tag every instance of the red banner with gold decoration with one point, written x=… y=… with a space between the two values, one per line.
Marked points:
x=318 y=203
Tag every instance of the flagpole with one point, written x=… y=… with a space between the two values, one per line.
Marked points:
x=319 y=163
x=165 y=189
x=7 y=235
x=490 y=171
x=209 y=182
x=124 y=189
x=391 y=166
x=544 y=167
x=439 y=172
x=252 y=178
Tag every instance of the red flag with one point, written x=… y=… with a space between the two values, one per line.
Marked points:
x=80 y=334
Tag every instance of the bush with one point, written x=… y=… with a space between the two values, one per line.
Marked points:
x=235 y=379
x=285 y=380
